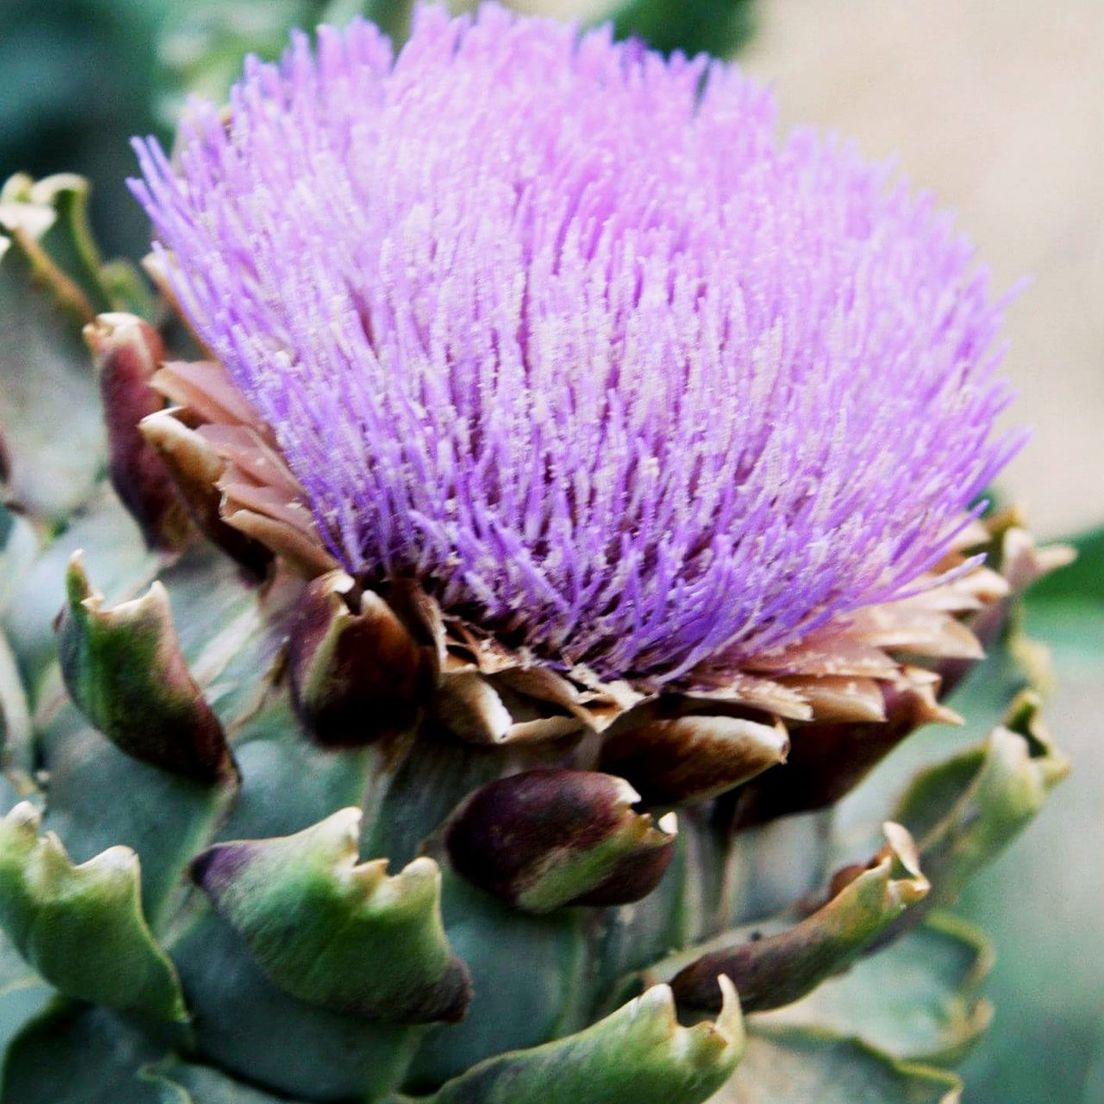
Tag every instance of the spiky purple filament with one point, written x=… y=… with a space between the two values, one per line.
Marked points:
x=563 y=330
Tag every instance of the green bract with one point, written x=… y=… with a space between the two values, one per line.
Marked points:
x=273 y=836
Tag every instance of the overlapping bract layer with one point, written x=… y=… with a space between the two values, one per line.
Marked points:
x=564 y=331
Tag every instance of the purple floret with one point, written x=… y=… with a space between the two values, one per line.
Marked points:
x=565 y=331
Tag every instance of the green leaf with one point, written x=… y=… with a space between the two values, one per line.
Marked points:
x=1081 y=581
x=183 y=1083
x=245 y=1024
x=930 y=791
x=76 y=1055
x=19 y=545
x=637 y=1055
x=81 y=927
x=1015 y=661
x=9 y=795
x=796 y=1066
x=23 y=994
x=718 y=27
x=336 y=933
x=917 y=1000
x=1065 y=610
x=1094 y=1083
x=528 y=978
x=1042 y=897
x=16 y=735
x=967 y=809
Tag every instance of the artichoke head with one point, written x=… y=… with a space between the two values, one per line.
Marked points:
x=274 y=832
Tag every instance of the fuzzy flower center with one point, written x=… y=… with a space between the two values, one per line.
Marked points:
x=566 y=332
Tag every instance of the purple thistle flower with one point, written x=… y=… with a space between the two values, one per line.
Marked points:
x=563 y=330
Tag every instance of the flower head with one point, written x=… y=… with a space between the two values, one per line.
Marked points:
x=563 y=330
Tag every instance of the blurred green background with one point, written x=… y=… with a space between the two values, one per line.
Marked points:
x=79 y=77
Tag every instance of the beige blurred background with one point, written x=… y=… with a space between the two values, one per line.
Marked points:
x=998 y=107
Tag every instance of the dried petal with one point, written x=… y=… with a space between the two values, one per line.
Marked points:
x=691 y=758
x=828 y=760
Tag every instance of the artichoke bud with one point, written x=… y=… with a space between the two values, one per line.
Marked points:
x=690 y=758
x=128 y=353
x=548 y=837
x=357 y=674
x=550 y=539
x=124 y=669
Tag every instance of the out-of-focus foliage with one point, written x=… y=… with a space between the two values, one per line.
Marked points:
x=1040 y=903
x=717 y=26
x=77 y=78
x=1067 y=609
x=202 y=43
x=1047 y=1039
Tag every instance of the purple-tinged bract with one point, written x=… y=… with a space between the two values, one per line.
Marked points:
x=564 y=330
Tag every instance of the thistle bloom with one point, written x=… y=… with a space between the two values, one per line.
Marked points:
x=609 y=462
x=564 y=331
